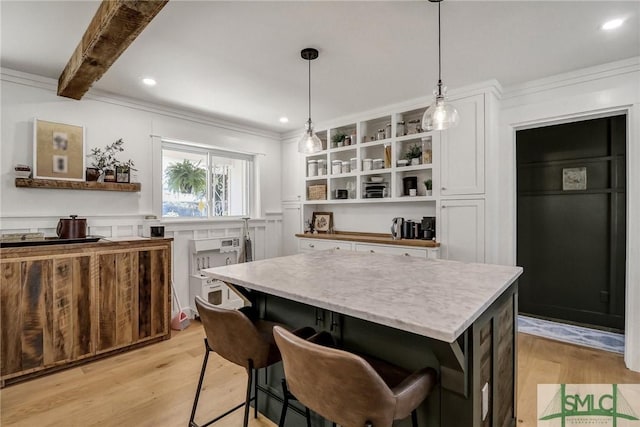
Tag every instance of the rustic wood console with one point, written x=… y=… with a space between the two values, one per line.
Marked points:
x=64 y=304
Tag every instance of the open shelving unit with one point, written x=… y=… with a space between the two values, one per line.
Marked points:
x=77 y=185
x=371 y=140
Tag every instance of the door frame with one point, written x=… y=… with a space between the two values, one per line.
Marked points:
x=632 y=272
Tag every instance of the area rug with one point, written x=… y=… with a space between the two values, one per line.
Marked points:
x=593 y=338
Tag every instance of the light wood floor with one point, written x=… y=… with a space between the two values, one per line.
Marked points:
x=154 y=386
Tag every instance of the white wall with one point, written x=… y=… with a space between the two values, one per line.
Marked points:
x=372 y=218
x=112 y=214
x=592 y=92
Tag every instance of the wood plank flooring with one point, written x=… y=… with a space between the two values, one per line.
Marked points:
x=154 y=386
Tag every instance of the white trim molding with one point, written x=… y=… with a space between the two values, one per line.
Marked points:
x=595 y=92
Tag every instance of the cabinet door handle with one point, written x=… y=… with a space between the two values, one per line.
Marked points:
x=333 y=324
x=443 y=188
x=444 y=206
x=372 y=251
x=311 y=245
x=319 y=317
x=406 y=254
x=336 y=248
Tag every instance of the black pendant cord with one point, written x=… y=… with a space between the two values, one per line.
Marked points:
x=309 y=62
x=439 y=54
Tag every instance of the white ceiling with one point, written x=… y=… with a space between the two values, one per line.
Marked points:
x=240 y=61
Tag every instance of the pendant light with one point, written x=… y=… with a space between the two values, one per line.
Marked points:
x=440 y=115
x=309 y=143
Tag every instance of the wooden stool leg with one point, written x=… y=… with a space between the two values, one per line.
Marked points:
x=414 y=418
x=202 y=371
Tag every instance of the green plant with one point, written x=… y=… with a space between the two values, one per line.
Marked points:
x=413 y=152
x=104 y=159
x=187 y=178
x=428 y=184
x=338 y=137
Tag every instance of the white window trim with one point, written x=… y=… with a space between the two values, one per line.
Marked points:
x=253 y=198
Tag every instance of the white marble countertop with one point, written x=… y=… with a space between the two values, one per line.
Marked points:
x=435 y=298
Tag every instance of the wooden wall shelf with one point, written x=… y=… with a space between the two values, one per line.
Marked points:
x=77 y=185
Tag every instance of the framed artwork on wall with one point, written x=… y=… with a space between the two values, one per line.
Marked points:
x=322 y=222
x=574 y=179
x=58 y=151
x=123 y=174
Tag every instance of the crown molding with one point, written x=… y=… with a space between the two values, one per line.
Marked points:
x=488 y=86
x=597 y=72
x=51 y=85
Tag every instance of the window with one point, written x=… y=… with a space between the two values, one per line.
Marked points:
x=203 y=182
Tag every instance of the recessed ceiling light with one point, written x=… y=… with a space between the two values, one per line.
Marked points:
x=613 y=24
x=149 y=81
x=284 y=120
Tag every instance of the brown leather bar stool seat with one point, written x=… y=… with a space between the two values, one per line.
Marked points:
x=347 y=389
x=241 y=338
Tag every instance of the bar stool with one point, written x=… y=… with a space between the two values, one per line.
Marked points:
x=345 y=388
x=241 y=338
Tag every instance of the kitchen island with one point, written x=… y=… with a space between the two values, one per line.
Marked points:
x=458 y=318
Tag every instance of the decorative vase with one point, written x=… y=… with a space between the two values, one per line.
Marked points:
x=429 y=192
x=109 y=175
x=92 y=174
x=415 y=161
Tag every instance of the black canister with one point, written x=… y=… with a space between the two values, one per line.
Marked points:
x=408 y=230
x=409 y=183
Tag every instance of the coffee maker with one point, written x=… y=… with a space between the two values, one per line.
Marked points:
x=428 y=228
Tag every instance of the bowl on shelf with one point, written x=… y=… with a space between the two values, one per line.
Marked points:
x=21 y=173
x=402 y=163
x=376 y=179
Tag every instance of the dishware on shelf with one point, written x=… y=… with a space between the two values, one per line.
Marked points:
x=376 y=179
x=403 y=163
x=367 y=164
x=377 y=164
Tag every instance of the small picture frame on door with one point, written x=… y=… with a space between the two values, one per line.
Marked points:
x=322 y=222
x=574 y=179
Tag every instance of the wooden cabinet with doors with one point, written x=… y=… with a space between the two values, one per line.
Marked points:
x=132 y=289
x=62 y=304
x=45 y=310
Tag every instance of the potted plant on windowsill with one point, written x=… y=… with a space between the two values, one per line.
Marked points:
x=413 y=154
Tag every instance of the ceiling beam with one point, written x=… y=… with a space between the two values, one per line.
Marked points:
x=113 y=28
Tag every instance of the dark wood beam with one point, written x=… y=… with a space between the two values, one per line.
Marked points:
x=113 y=28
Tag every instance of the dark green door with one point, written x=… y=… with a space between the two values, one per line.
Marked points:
x=571 y=221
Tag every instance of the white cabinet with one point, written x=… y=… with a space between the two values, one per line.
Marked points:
x=393 y=250
x=291 y=225
x=462 y=230
x=462 y=150
x=292 y=187
x=309 y=245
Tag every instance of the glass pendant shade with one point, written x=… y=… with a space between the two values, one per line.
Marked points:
x=309 y=143
x=440 y=115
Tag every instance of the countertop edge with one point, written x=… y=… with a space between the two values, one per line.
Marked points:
x=370 y=238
